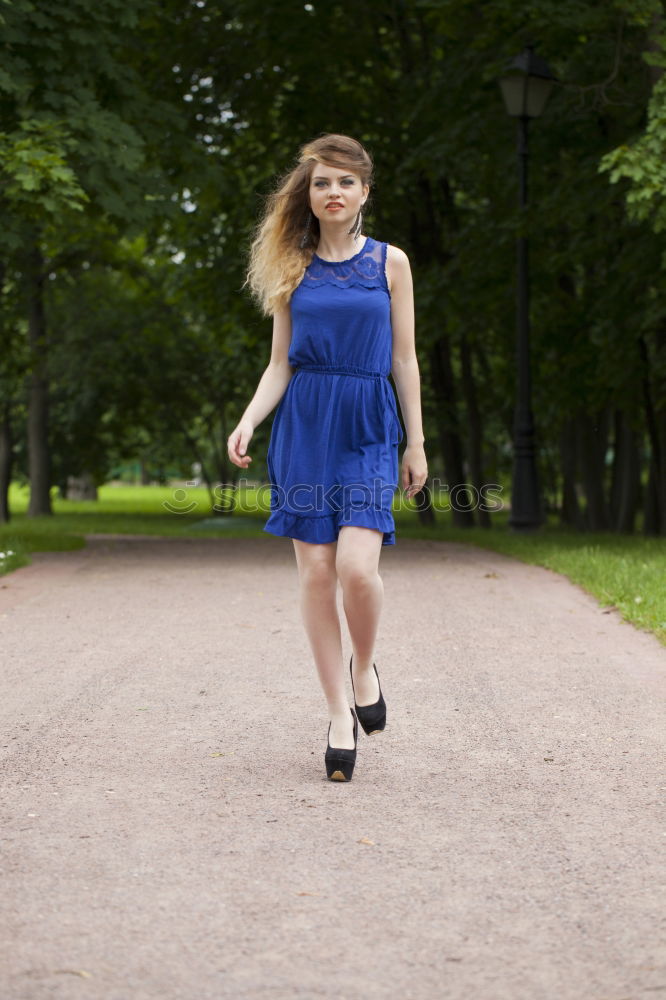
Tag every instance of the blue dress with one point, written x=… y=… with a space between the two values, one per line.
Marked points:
x=333 y=451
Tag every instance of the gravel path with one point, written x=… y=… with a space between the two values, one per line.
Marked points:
x=501 y=840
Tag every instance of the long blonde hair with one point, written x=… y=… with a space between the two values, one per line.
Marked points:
x=288 y=232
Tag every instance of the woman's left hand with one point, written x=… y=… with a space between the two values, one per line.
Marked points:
x=414 y=469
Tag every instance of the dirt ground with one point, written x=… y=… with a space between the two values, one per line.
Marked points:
x=503 y=839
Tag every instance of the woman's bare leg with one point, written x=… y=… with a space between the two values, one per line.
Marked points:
x=357 y=562
x=318 y=589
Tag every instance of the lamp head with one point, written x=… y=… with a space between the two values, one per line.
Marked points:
x=526 y=84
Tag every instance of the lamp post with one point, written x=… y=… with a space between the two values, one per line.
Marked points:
x=526 y=86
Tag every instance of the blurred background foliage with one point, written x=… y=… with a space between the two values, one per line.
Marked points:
x=138 y=139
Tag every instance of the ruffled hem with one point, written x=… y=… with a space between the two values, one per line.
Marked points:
x=325 y=528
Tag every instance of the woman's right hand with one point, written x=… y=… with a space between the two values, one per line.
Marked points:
x=237 y=443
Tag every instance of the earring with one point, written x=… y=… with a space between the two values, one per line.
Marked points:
x=306 y=232
x=358 y=225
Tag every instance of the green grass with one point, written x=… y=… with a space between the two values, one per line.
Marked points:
x=624 y=571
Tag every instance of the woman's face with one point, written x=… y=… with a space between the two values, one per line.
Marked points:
x=336 y=195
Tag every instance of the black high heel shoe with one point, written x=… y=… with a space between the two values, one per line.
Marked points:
x=371 y=717
x=340 y=760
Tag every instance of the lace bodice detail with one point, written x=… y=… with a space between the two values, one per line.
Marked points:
x=366 y=268
x=341 y=313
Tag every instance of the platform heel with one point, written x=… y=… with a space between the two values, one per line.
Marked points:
x=371 y=717
x=340 y=760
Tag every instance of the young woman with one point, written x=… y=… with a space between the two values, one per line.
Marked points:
x=343 y=320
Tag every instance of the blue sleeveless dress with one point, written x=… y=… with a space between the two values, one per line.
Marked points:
x=333 y=451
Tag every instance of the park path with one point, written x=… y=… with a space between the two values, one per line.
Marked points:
x=501 y=840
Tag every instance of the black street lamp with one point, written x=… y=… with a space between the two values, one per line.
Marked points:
x=526 y=86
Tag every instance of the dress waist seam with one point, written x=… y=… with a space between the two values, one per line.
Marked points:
x=341 y=370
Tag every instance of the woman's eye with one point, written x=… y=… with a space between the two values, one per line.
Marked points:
x=347 y=182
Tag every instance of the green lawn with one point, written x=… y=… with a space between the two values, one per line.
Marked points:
x=628 y=572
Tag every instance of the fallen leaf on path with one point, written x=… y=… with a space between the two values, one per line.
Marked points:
x=308 y=894
x=226 y=753
x=366 y=840
x=76 y=972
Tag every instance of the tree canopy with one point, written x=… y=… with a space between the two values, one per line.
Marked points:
x=137 y=141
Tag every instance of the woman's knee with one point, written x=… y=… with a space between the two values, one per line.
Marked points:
x=357 y=557
x=316 y=566
x=357 y=574
x=319 y=575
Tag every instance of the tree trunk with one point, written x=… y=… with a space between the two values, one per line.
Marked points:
x=39 y=459
x=220 y=505
x=659 y=382
x=661 y=482
x=550 y=478
x=475 y=433
x=425 y=511
x=654 y=522
x=592 y=441
x=146 y=477
x=570 y=513
x=6 y=461
x=651 y=503
x=626 y=476
x=226 y=471
x=449 y=432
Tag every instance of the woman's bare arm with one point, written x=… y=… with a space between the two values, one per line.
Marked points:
x=405 y=367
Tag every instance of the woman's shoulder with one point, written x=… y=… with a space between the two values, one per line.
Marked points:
x=398 y=270
x=395 y=255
